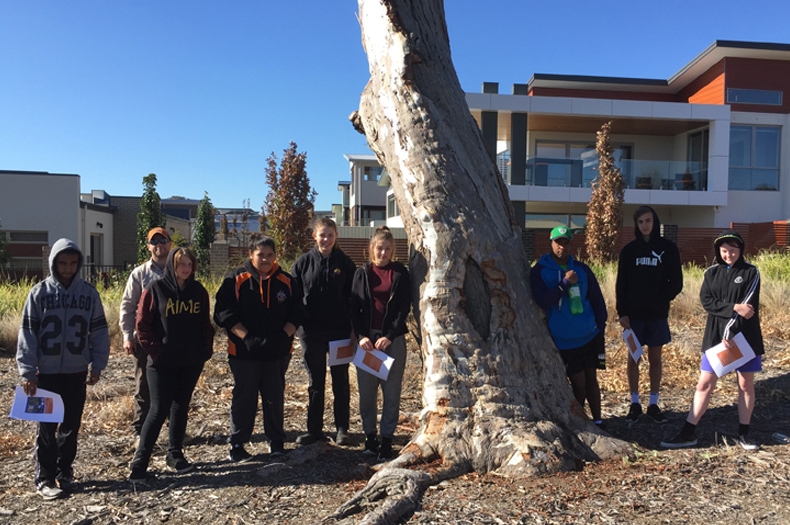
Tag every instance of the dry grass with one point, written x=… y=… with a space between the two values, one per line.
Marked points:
x=109 y=405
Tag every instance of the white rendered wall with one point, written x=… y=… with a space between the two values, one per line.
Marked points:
x=41 y=202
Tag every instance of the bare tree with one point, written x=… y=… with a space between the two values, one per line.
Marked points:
x=605 y=210
x=495 y=393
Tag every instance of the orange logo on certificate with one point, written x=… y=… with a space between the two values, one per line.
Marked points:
x=730 y=355
x=344 y=352
x=372 y=361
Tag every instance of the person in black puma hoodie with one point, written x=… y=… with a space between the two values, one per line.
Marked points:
x=259 y=306
x=174 y=328
x=649 y=277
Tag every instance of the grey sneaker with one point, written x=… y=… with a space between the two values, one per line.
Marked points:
x=342 y=438
x=748 y=443
x=655 y=414
x=49 y=491
x=634 y=413
x=680 y=441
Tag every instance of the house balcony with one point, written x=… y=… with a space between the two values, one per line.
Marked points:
x=647 y=181
x=637 y=174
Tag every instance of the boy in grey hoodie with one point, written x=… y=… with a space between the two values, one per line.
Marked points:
x=63 y=345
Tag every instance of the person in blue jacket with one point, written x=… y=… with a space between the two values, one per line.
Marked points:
x=569 y=293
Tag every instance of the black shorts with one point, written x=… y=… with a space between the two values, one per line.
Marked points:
x=585 y=356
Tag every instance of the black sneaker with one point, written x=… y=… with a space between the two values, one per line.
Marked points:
x=66 y=484
x=237 y=454
x=309 y=439
x=680 y=441
x=371 y=445
x=180 y=464
x=139 y=476
x=276 y=449
x=49 y=491
x=634 y=412
x=655 y=414
x=342 y=437
x=748 y=443
x=385 y=452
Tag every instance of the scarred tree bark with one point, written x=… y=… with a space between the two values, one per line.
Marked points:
x=496 y=398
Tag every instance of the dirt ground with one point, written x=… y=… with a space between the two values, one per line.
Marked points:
x=713 y=483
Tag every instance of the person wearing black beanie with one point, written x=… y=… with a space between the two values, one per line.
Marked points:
x=730 y=294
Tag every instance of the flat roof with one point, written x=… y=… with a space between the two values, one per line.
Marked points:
x=717 y=51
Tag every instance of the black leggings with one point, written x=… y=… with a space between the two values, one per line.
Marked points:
x=171 y=392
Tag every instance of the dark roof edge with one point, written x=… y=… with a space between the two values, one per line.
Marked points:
x=733 y=44
x=598 y=79
x=22 y=172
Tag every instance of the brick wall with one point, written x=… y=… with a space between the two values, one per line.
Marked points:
x=695 y=244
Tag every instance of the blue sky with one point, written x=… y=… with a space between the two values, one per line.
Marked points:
x=202 y=92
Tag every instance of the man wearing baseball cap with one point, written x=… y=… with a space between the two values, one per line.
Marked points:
x=569 y=294
x=158 y=243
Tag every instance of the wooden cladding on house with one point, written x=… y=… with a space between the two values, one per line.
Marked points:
x=752 y=73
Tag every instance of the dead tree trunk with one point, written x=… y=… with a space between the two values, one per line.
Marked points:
x=495 y=397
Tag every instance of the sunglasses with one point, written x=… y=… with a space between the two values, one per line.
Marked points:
x=154 y=242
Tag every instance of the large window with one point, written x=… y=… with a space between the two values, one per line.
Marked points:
x=570 y=164
x=29 y=236
x=754 y=158
x=372 y=173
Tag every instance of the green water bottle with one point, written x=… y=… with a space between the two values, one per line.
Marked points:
x=576 y=299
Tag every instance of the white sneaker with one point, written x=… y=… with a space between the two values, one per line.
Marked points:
x=49 y=491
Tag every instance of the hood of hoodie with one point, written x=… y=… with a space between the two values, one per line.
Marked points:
x=548 y=261
x=169 y=277
x=728 y=236
x=655 y=232
x=62 y=245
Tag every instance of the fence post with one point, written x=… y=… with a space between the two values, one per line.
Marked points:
x=218 y=257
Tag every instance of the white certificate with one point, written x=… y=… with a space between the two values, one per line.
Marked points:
x=44 y=406
x=374 y=362
x=340 y=352
x=724 y=360
x=633 y=344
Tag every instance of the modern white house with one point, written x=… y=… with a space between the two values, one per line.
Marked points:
x=364 y=196
x=708 y=147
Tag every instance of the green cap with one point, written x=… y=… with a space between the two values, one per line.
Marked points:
x=561 y=231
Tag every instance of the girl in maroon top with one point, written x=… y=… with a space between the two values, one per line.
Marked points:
x=380 y=303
